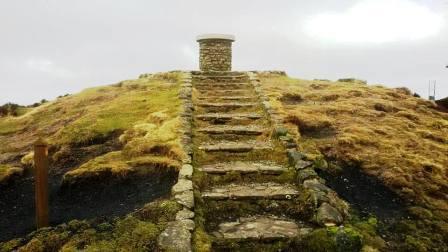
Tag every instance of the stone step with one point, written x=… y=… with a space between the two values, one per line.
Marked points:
x=227 y=104
x=228 y=92
x=228 y=146
x=228 y=116
x=243 y=167
x=228 y=98
x=232 y=129
x=257 y=228
x=223 y=87
x=253 y=191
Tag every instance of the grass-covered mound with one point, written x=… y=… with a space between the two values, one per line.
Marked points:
x=387 y=133
x=142 y=113
x=111 y=149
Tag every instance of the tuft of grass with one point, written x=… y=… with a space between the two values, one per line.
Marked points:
x=7 y=172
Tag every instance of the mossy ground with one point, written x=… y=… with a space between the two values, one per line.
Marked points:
x=137 y=231
x=387 y=133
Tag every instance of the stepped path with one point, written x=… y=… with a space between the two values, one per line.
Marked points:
x=241 y=179
x=244 y=185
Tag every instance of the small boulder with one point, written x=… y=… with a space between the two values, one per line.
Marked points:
x=328 y=215
x=175 y=237
x=305 y=174
x=182 y=186
x=185 y=199
x=184 y=214
x=315 y=185
x=302 y=164
x=186 y=172
x=294 y=156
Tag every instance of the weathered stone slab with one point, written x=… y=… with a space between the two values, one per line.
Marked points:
x=251 y=191
x=243 y=168
x=232 y=129
x=235 y=146
x=227 y=104
x=227 y=98
x=258 y=228
x=222 y=92
x=228 y=116
x=175 y=237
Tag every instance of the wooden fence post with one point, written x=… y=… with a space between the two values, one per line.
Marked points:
x=41 y=182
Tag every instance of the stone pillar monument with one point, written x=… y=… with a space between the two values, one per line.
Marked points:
x=215 y=52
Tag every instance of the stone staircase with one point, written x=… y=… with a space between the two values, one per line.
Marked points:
x=235 y=168
x=244 y=186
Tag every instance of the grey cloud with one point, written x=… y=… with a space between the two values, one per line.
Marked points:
x=77 y=44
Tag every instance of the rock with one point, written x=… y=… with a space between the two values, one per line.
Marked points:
x=188 y=224
x=258 y=228
x=184 y=214
x=243 y=168
x=328 y=215
x=186 y=172
x=302 y=164
x=185 y=198
x=319 y=197
x=338 y=203
x=315 y=185
x=251 y=191
x=175 y=237
x=305 y=174
x=182 y=186
x=266 y=105
x=294 y=156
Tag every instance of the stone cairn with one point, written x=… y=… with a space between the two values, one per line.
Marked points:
x=244 y=185
x=215 y=52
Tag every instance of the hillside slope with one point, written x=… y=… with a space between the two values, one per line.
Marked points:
x=388 y=134
x=115 y=148
x=120 y=136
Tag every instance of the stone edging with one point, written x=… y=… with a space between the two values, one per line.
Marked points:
x=330 y=209
x=177 y=234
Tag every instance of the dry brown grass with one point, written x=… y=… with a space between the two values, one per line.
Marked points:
x=401 y=139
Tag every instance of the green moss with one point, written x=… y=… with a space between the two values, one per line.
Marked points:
x=10 y=245
x=415 y=244
x=201 y=240
x=138 y=231
x=319 y=241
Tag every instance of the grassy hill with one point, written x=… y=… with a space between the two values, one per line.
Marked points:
x=120 y=136
x=367 y=137
x=390 y=135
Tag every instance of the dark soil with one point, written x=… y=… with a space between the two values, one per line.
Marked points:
x=96 y=200
x=366 y=194
x=106 y=197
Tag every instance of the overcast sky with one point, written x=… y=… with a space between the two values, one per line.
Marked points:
x=53 y=47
